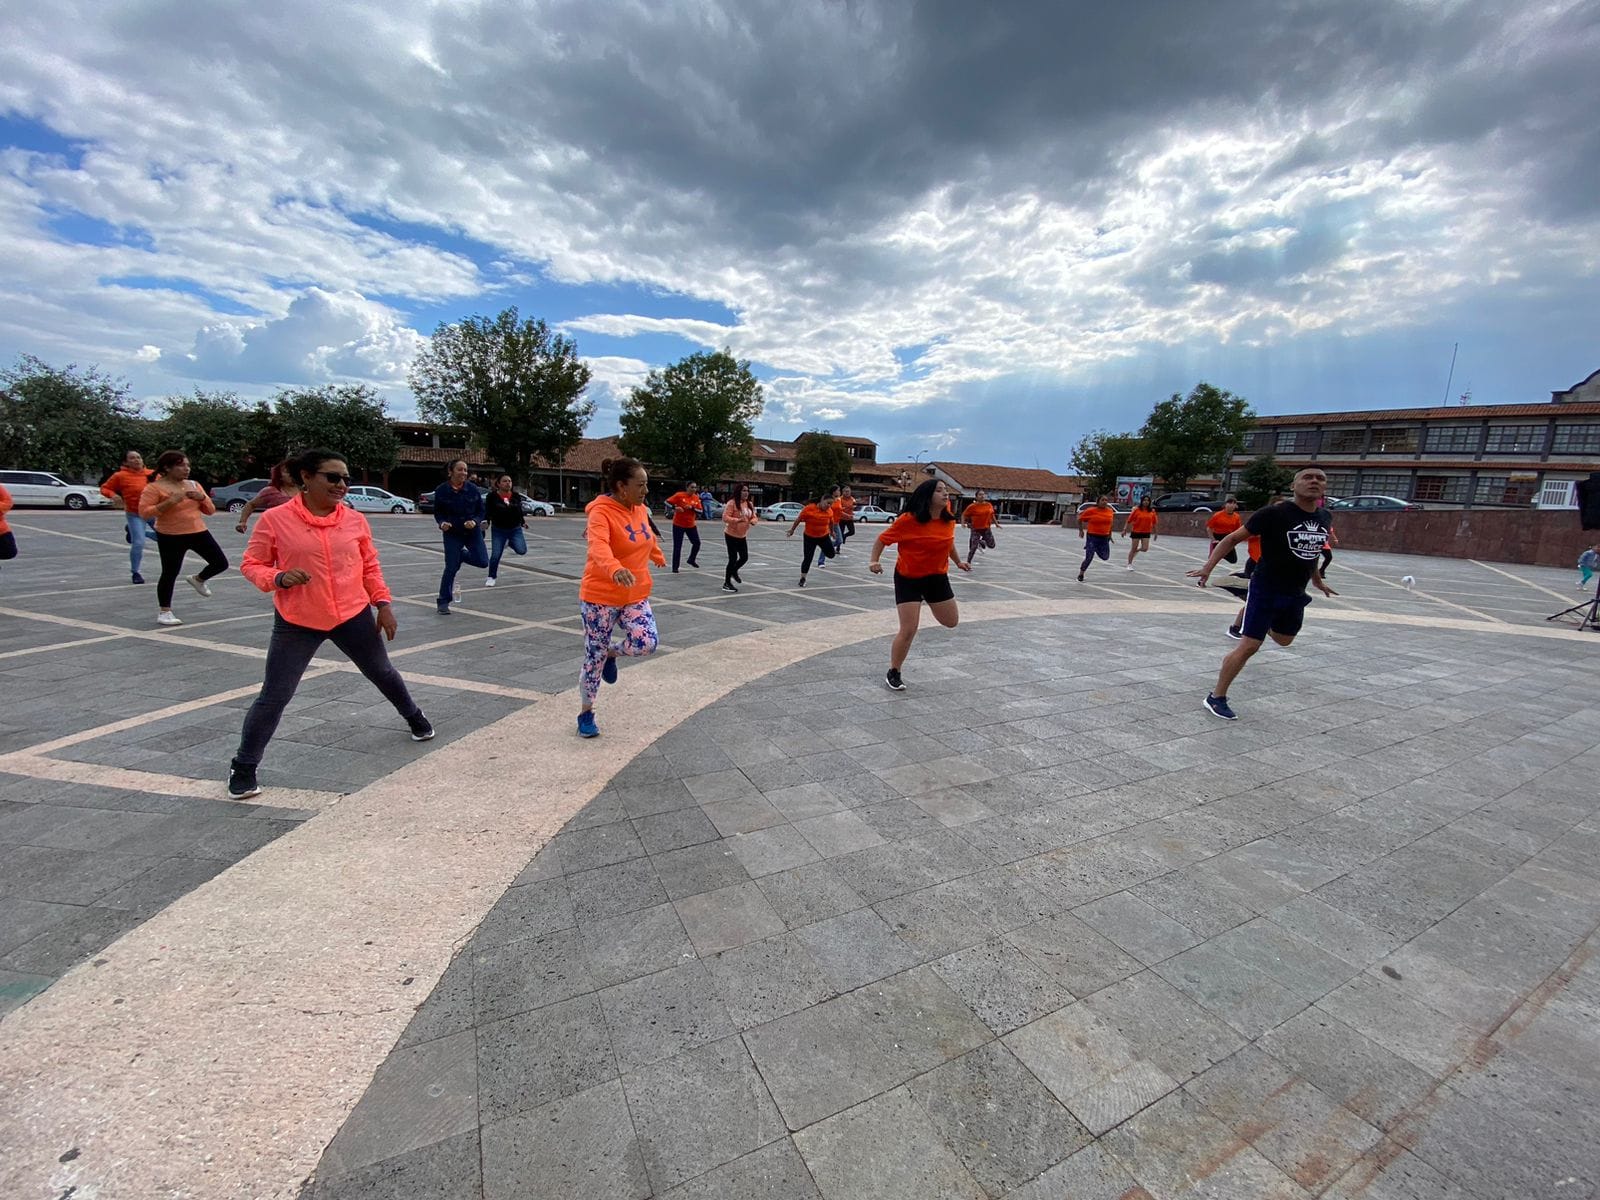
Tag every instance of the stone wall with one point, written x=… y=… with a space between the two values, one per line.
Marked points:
x=1546 y=538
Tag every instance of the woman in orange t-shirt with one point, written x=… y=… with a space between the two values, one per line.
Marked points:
x=818 y=519
x=926 y=535
x=1223 y=523
x=1140 y=527
x=179 y=507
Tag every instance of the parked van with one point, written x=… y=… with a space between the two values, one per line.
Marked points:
x=44 y=490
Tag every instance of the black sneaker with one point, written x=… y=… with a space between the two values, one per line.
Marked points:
x=1080 y=576
x=138 y=578
x=728 y=587
x=1217 y=706
x=892 y=678
x=1233 y=632
x=242 y=781
x=802 y=581
x=421 y=727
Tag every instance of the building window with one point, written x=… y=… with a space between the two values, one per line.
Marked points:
x=1260 y=442
x=1459 y=439
x=1502 y=489
x=1577 y=439
x=1296 y=441
x=1376 y=483
x=1394 y=439
x=1515 y=439
x=1341 y=483
x=1344 y=441
x=1446 y=489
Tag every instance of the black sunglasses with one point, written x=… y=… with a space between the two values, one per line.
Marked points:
x=335 y=478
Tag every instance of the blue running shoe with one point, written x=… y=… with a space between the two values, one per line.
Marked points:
x=609 y=671
x=586 y=725
x=1217 y=706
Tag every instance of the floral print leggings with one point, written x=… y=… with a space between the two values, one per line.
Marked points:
x=638 y=627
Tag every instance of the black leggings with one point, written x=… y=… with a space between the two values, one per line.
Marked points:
x=8 y=545
x=290 y=653
x=821 y=545
x=738 y=555
x=1231 y=556
x=173 y=546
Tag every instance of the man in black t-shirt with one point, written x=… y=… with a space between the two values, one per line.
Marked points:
x=1293 y=535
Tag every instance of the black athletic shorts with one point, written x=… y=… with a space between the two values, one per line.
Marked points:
x=1139 y=537
x=1266 y=610
x=914 y=589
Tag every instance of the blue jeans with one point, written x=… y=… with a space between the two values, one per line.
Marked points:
x=499 y=539
x=138 y=530
x=466 y=547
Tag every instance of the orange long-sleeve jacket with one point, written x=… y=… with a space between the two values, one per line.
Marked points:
x=335 y=550
x=619 y=537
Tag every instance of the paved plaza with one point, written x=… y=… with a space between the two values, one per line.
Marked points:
x=1039 y=927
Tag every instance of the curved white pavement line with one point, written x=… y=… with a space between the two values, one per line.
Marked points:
x=216 y=1049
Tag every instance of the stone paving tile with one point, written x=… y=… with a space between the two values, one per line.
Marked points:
x=774 y=1172
x=578 y=1145
x=887 y=1148
x=616 y=949
x=699 y=1110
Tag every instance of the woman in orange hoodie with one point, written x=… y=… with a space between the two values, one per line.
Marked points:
x=316 y=557
x=8 y=540
x=615 y=591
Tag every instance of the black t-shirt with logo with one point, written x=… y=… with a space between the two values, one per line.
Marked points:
x=1291 y=543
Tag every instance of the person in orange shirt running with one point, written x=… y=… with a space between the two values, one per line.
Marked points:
x=818 y=521
x=179 y=507
x=979 y=518
x=926 y=535
x=1221 y=524
x=615 y=590
x=835 y=520
x=8 y=540
x=1094 y=527
x=126 y=485
x=1140 y=526
x=847 y=517
x=685 y=504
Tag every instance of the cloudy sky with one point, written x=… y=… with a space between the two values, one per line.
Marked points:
x=974 y=230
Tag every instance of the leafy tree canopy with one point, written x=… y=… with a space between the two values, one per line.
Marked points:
x=213 y=428
x=821 y=463
x=76 y=421
x=349 y=419
x=513 y=384
x=695 y=419
x=1186 y=436
x=1261 y=480
x=1101 y=457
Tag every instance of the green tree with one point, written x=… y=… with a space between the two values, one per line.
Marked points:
x=266 y=441
x=73 y=420
x=514 y=385
x=214 y=429
x=1261 y=480
x=820 y=462
x=1186 y=436
x=1100 y=457
x=349 y=419
x=695 y=419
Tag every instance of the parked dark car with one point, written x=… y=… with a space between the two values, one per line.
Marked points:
x=235 y=496
x=1187 y=502
x=1374 y=504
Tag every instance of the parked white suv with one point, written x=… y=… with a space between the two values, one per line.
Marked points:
x=46 y=490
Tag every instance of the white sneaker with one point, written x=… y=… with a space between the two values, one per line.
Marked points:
x=1130 y=566
x=488 y=581
x=168 y=618
x=199 y=585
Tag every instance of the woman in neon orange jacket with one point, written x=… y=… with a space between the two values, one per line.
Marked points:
x=615 y=590
x=316 y=557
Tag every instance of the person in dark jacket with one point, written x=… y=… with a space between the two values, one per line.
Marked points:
x=507 y=520
x=459 y=510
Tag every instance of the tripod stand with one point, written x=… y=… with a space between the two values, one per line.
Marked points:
x=1590 y=610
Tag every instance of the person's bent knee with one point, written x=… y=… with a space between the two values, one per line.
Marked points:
x=1283 y=639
